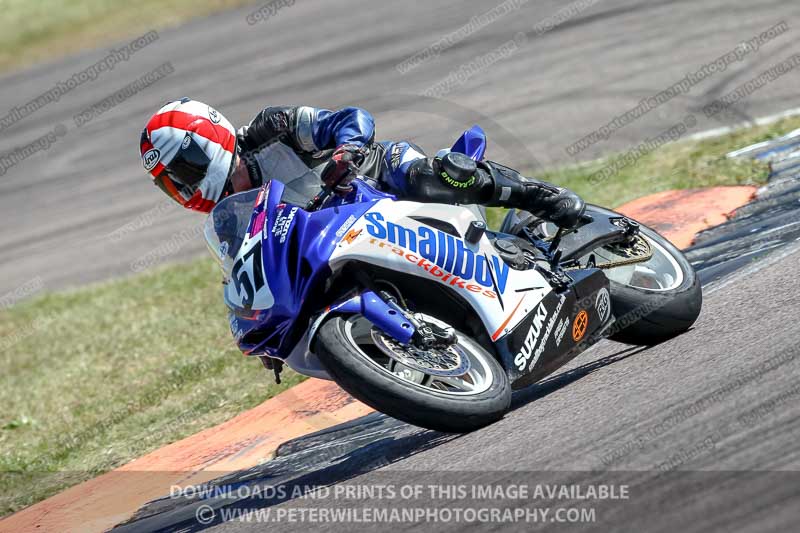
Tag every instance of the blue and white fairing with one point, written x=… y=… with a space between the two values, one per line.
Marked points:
x=271 y=273
x=300 y=250
x=277 y=258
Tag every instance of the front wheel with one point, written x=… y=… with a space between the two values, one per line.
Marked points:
x=653 y=300
x=456 y=389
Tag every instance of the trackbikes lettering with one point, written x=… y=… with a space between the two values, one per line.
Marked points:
x=442 y=254
x=430 y=268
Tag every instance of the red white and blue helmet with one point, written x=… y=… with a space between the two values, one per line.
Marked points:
x=188 y=148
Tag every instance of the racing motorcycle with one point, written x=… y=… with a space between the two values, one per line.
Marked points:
x=420 y=310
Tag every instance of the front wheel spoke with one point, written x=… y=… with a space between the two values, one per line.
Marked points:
x=411 y=363
x=427 y=380
x=456 y=382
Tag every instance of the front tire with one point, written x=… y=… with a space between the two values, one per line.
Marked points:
x=377 y=380
x=648 y=316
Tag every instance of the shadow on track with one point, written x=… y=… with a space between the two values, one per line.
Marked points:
x=324 y=458
x=550 y=385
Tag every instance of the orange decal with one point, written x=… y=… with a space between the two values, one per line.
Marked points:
x=499 y=331
x=351 y=236
x=580 y=325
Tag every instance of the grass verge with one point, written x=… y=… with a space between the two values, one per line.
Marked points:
x=43 y=30
x=95 y=377
x=92 y=378
x=686 y=164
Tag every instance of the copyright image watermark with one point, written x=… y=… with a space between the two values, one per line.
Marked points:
x=475 y=24
x=714 y=398
x=644 y=148
x=23 y=291
x=563 y=15
x=166 y=249
x=683 y=86
x=41 y=144
x=171 y=246
x=389 y=502
x=686 y=454
x=37 y=326
x=466 y=71
x=143 y=220
x=749 y=87
x=206 y=514
x=123 y=94
x=90 y=73
x=267 y=11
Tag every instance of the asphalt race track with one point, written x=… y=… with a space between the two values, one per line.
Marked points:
x=718 y=403
x=63 y=210
x=703 y=429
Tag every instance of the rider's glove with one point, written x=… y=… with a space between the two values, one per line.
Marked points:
x=563 y=208
x=338 y=173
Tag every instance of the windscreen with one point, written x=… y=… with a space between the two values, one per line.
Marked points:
x=226 y=225
x=279 y=162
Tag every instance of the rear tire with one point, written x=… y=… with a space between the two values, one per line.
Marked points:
x=399 y=398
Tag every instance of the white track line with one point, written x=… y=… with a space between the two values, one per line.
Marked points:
x=763 y=121
x=768 y=261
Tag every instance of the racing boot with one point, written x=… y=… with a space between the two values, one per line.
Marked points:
x=455 y=178
x=543 y=200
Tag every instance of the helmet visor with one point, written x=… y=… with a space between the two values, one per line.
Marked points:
x=177 y=191
x=190 y=164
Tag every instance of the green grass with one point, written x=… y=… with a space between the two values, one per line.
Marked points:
x=92 y=378
x=42 y=30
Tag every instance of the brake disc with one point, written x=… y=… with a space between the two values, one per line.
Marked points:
x=436 y=361
x=637 y=251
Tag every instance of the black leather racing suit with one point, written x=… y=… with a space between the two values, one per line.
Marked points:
x=401 y=168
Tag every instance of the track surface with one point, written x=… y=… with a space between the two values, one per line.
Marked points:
x=726 y=412
x=716 y=407
x=59 y=207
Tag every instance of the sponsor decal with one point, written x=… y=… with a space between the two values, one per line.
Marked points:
x=561 y=329
x=397 y=152
x=431 y=268
x=236 y=330
x=443 y=255
x=282 y=224
x=455 y=183
x=351 y=236
x=580 y=325
x=223 y=250
x=344 y=227
x=213 y=115
x=186 y=141
x=150 y=159
x=260 y=198
x=603 y=304
x=547 y=331
x=532 y=338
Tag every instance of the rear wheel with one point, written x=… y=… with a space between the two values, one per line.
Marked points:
x=456 y=388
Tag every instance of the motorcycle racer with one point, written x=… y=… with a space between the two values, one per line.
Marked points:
x=195 y=155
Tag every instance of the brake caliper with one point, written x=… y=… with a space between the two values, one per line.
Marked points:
x=427 y=335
